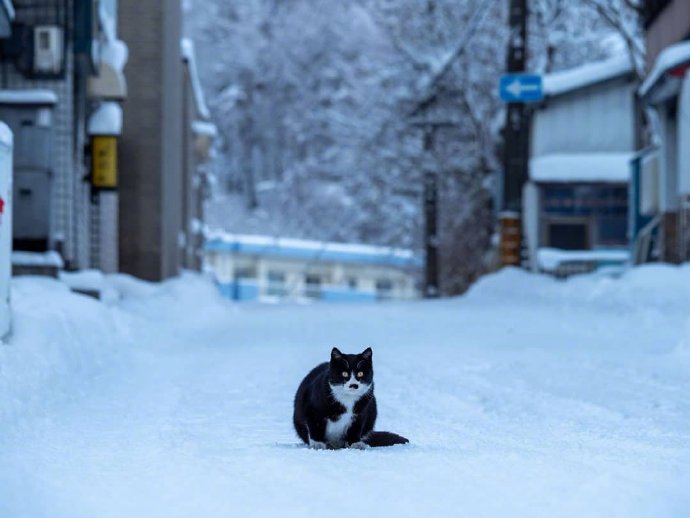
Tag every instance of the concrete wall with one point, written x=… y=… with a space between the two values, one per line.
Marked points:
x=671 y=26
x=151 y=145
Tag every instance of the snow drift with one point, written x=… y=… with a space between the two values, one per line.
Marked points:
x=527 y=397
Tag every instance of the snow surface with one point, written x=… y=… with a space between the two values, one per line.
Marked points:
x=527 y=397
x=33 y=96
x=551 y=258
x=586 y=75
x=670 y=57
x=106 y=120
x=581 y=167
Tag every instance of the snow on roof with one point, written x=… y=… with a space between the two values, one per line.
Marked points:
x=50 y=258
x=586 y=75
x=670 y=57
x=114 y=51
x=311 y=250
x=581 y=167
x=550 y=259
x=5 y=134
x=106 y=120
x=188 y=54
x=204 y=128
x=9 y=8
x=33 y=96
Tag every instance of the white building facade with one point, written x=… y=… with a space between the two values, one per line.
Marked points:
x=583 y=137
x=262 y=268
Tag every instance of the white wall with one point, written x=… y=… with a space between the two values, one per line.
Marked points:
x=683 y=145
x=595 y=119
x=668 y=185
x=5 y=226
x=223 y=264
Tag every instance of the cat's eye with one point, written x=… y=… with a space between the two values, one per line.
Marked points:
x=360 y=374
x=345 y=374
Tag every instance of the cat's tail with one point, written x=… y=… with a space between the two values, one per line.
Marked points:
x=377 y=439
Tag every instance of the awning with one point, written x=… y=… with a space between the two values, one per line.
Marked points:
x=664 y=80
x=581 y=168
x=34 y=97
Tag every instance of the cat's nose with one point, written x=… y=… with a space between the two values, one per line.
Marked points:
x=354 y=386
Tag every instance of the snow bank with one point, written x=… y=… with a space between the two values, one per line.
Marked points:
x=62 y=341
x=644 y=290
x=59 y=343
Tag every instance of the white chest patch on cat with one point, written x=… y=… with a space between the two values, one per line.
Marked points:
x=336 y=430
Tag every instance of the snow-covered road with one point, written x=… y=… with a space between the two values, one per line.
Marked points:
x=527 y=397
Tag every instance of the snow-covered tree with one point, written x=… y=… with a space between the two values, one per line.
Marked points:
x=331 y=112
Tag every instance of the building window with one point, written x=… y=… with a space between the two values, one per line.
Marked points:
x=245 y=273
x=276 y=284
x=612 y=231
x=352 y=283
x=568 y=235
x=312 y=287
x=384 y=289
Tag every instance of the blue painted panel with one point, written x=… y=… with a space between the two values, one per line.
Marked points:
x=347 y=295
x=239 y=290
x=520 y=88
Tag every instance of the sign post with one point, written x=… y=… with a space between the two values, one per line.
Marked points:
x=516 y=89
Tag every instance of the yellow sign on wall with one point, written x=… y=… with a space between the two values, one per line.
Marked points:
x=104 y=162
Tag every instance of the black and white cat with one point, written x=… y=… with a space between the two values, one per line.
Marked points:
x=335 y=405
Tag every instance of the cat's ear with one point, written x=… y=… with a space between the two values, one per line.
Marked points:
x=367 y=353
x=336 y=354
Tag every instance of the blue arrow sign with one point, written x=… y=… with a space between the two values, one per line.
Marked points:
x=521 y=88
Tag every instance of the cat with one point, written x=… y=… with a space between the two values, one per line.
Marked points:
x=335 y=405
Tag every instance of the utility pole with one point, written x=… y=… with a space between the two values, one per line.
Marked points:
x=516 y=142
x=431 y=280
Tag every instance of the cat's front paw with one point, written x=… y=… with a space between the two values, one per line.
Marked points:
x=317 y=445
x=359 y=445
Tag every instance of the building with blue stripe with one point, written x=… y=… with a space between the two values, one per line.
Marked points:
x=250 y=267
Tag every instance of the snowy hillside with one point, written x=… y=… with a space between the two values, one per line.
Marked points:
x=527 y=397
